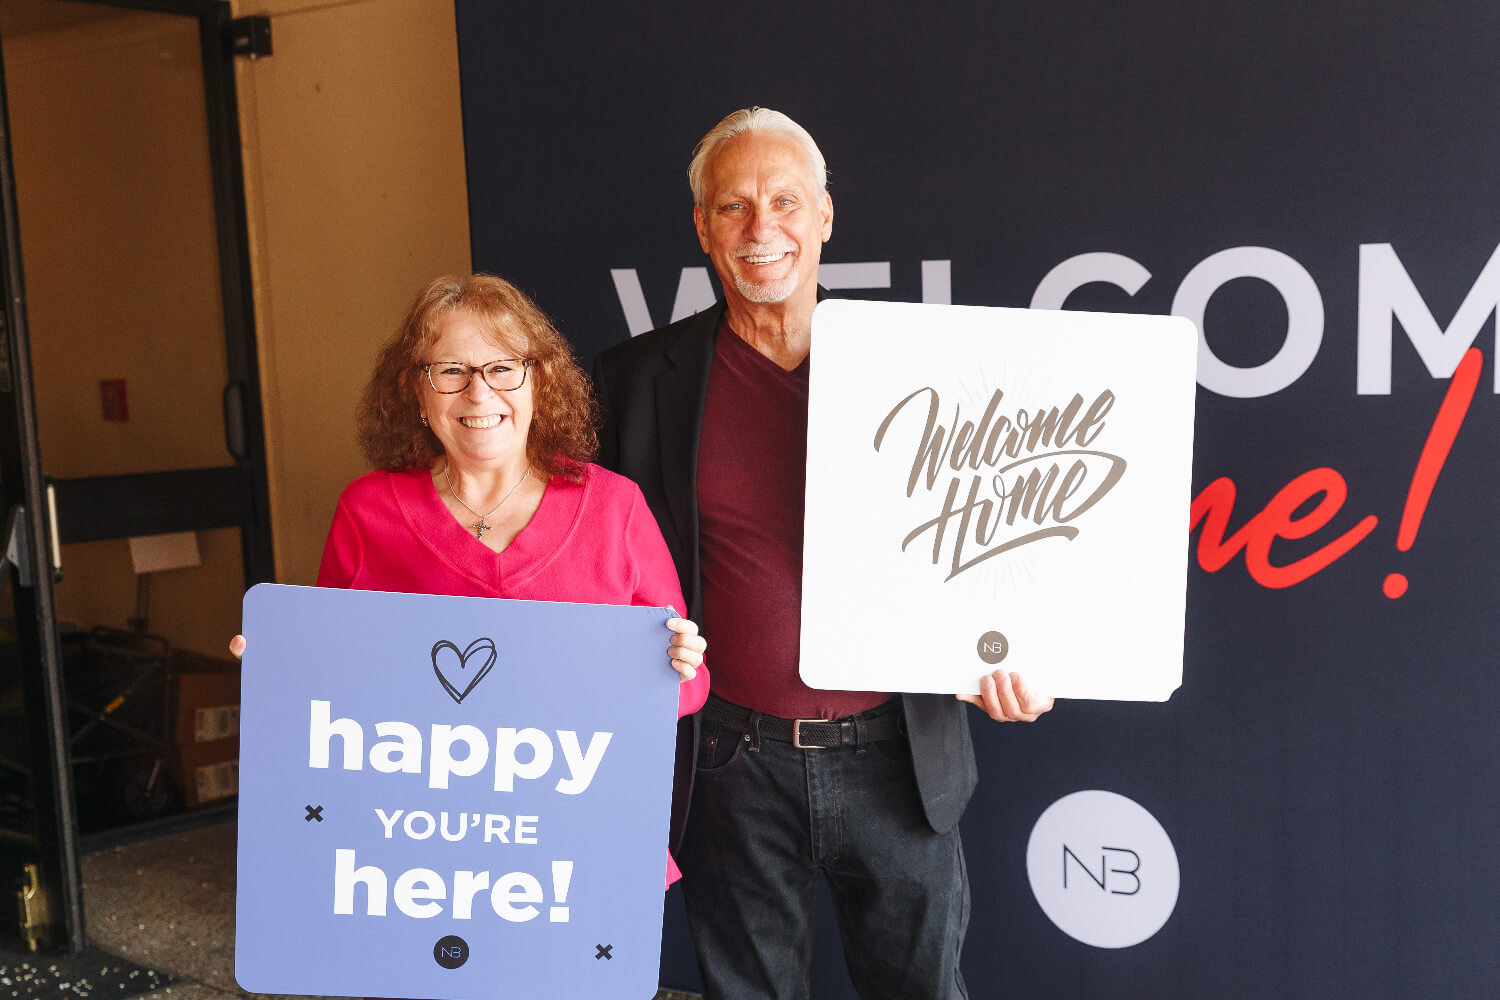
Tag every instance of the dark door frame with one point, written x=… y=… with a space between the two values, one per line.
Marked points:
x=93 y=508
x=120 y=506
x=27 y=526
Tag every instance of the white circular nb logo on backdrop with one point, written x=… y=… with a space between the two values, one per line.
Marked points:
x=1102 y=869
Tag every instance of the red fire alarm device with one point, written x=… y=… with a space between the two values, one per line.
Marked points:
x=112 y=399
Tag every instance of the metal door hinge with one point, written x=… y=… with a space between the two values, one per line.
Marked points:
x=16 y=551
x=250 y=36
x=34 y=914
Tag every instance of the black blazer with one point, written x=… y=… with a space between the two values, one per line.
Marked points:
x=652 y=390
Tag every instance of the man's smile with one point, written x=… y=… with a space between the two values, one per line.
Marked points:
x=761 y=254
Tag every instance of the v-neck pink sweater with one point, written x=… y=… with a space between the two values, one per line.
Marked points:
x=593 y=542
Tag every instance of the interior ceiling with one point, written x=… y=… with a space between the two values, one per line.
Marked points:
x=20 y=17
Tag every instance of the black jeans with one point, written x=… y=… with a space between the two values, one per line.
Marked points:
x=767 y=818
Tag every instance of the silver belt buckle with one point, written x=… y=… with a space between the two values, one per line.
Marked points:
x=797 y=733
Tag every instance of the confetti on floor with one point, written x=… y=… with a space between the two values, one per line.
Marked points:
x=90 y=974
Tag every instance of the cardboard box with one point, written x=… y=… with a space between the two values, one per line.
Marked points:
x=206 y=693
x=207 y=772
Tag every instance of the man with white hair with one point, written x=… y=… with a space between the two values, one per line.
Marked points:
x=709 y=417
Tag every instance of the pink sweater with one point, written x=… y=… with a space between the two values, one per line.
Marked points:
x=593 y=542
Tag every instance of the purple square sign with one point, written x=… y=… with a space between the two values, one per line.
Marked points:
x=451 y=797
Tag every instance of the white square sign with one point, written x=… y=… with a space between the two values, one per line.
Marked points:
x=997 y=489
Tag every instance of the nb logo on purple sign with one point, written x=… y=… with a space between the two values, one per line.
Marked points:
x=451 y=952
x=471 y=665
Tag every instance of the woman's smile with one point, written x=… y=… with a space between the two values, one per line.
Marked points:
x=481 y=423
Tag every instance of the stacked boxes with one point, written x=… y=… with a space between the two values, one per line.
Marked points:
x=206 y=736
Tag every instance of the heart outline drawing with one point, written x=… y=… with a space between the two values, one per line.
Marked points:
x=475 y=648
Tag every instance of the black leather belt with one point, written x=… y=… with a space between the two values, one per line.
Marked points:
x=808 y=734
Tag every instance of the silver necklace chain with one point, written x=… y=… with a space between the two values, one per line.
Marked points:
x=482 y=525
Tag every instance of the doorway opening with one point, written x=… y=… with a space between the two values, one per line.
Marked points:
x=138 y=459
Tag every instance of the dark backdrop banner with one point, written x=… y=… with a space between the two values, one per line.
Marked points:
x=1315 y=185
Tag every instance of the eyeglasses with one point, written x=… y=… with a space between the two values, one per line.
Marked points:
x=504 y=375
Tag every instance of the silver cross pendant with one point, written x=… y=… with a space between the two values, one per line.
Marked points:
x=480 y=528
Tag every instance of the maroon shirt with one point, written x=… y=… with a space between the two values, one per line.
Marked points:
x=752 y=478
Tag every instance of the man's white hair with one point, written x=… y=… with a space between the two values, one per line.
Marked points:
x=753 y=119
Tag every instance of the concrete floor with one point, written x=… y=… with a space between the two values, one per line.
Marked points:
x=168 y=903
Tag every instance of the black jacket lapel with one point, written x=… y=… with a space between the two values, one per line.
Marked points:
x=680 y=393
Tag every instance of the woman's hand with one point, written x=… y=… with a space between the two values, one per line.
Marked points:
x=686 y=649
x=237 y=646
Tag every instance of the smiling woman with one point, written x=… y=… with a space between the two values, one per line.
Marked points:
x=410 y=416
x=481 y=427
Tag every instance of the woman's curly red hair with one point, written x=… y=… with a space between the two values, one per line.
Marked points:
x=563 y=432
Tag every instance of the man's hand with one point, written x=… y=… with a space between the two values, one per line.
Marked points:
x=1006 y=698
